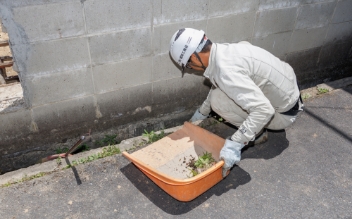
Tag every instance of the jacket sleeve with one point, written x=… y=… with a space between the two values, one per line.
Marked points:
x=205 y=109
x=236 y=83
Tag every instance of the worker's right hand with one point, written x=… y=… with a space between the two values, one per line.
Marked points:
x=230 y=154
x=198 y=116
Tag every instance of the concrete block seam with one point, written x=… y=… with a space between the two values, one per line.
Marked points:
x=277 y=9
x=171 y=23
x=84 y=19
x=310 y=28
x=266 y=35
x=303 y=50
x=116 y=31
x=207 y=15
x=98 y=113
x=47 y=74
x=152 y=43
x=60 y=101
x=89 y=52
x=237 y=13
x=255 y=21
x=294 y=25
x=326 y=34
x=123 y=88
x=152 y=31
x=81 y=36
x=179 y=76
x=123 y=60
x=286 y=31
x=91 y=68
x=229 y=15
x=31 y=3
x=317 y=3
x=34 y=126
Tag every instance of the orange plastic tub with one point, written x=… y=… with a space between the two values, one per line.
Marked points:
x=164 y=161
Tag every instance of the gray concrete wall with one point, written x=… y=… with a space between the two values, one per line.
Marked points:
x=105 y=64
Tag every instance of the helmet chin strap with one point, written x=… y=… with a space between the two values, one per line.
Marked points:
x=203 y=67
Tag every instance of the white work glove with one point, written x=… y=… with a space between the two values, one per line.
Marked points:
x=230 y=154
x=198 y=116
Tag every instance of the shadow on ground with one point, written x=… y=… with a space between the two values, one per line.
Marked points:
x=276 y=144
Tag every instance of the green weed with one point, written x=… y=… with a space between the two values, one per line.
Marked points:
x=24 y=179
x=66 y=167
x=58 y=161
x=108 y=151
x=193 y=173
x=204 y=161
x=61 y=150
x=108 y=140
x=323 y=90
x=153 y=137
x=306 y=96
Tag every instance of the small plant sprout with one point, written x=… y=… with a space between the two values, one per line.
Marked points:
x=306 y=96
x=58 y=161
x=108 y=140
x=24 y=179
x=152 y=136
x=322 y=90
x=203 y=163
x=61 y=150
x=107 y=151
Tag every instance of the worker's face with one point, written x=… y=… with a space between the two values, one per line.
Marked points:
x=194 y=63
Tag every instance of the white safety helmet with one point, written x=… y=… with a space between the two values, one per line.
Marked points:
x=184 y=43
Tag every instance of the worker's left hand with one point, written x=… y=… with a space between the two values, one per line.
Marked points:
x=231 y=154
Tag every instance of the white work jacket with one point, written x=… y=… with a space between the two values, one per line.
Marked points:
x=254 y=79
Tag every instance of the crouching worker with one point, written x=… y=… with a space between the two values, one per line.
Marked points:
x=252 y=89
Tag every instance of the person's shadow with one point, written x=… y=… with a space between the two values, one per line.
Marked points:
x=276 y=144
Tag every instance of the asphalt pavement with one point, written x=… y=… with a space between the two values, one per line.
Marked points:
x=304 y=171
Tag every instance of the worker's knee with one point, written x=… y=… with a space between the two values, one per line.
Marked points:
x=227 y=108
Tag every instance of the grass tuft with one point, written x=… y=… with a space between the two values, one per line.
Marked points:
x=108 y=140
x=24 y=179
x=153 y=137
x=322 y=90
x=306 y=96
x=108 y=151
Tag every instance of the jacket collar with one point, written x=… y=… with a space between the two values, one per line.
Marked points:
x=210 y=69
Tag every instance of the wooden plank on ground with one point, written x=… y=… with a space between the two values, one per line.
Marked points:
x=6 y=64
x=4 y=43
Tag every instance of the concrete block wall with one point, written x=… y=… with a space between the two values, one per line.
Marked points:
x=102 y=64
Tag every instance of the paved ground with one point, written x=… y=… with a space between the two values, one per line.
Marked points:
x=303 y=172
